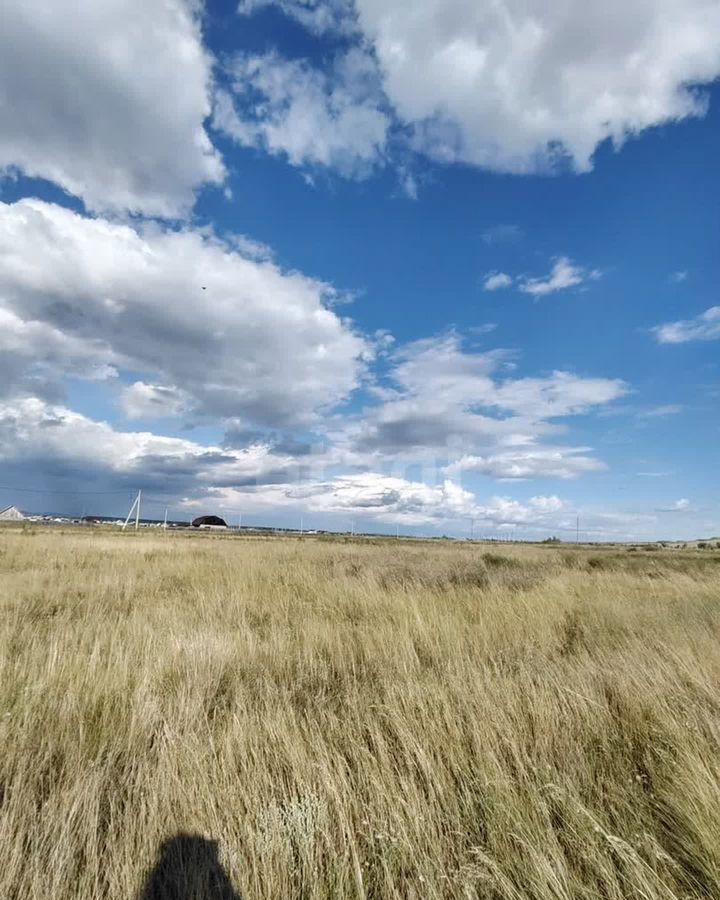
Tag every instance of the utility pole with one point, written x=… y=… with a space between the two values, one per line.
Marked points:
x=472 y=529
x=577 y=529
x=165 y=521
x=352 y=527
x=397 y=531
x=135 y=508
x=301 y=526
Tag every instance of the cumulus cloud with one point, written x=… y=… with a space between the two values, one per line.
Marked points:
x=495 y=281
x=62 y=445
x=59 y=449
x=530 y=85
x=313 y=118
x=391 y=500
x=318 y=16
x=204 y=327
x=558 y=394
x=704 y=327
x=525 y=83
x=386 y=498
x=373 y=499
x=149 y=401
x=33 y=354
x=564 y=275
x=533 y=462
x=108 y=101
x=443 y=401
x=51 y=439
x=181 y=323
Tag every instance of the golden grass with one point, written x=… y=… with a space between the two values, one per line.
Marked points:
x=357 y=719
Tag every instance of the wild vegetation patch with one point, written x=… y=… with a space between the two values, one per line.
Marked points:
x=357 y=719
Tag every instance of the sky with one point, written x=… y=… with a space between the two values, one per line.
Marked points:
x=447 y=268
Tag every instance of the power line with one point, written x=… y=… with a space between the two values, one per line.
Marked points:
x=24 y=490
x=126 y=492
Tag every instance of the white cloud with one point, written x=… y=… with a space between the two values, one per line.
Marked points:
x=661 y=412
x=318 y=16
x=547 y=504
x=558 y=394
x=389 y=500
x=253 y=479
x=53 y=439
x=516 y=84
x=374 y=498
x=313 y=118
x=71 y=450
x=524 y=85
x=408 y=183
x=495 y=281
x=149 y=401
x=682 y=505
x=34 y=353
x=179 y=322
x=704 y=327
x=678 y=277
x=444 y=402
x=564 y=275
x=107 y=100
x=251 y=248
x=185 y=311
x=533 y=462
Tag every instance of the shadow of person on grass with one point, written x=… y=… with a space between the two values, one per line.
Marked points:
x=188 y=868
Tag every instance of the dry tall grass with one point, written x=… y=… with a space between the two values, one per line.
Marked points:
x=356 y=720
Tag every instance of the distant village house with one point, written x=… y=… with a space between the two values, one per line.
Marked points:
x=11 y=514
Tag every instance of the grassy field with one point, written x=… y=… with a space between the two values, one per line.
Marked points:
x=329 y=719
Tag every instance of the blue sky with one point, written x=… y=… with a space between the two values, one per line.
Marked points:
x=361 y=262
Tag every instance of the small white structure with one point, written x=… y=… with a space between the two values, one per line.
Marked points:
x=11 y=514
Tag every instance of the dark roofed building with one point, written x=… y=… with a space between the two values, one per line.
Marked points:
x=209 y=522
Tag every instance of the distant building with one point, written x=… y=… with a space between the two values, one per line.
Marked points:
x=11 y=514
x=209 y=522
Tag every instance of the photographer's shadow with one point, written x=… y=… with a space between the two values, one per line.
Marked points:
x=188 y=868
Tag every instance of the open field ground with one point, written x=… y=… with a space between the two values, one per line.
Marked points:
x=356 y=719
